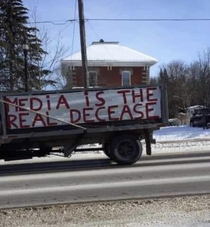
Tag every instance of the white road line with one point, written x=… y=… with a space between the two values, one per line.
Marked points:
x=112 y=185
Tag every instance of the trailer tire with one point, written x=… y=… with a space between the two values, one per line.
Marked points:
x=126 y=149
x=44 y=150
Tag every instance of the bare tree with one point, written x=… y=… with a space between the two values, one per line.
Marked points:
x=174 y=75
x=55 y=51
x=187 y=84
x=203 y=69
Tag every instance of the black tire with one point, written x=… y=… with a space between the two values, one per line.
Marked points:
x=44 y=150
x=192 y=124
x=125 y=149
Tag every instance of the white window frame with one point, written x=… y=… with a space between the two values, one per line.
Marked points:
x=126 y=71
x=96 y=73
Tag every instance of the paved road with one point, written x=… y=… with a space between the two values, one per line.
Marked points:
x=99 y=180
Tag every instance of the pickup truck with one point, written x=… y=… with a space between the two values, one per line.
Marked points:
x=35 y=123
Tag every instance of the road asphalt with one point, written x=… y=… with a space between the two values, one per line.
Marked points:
x=72 y=181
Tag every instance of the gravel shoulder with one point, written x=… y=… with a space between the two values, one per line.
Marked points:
x=179 y=211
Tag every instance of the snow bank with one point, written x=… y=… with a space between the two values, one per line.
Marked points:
x=175 y=133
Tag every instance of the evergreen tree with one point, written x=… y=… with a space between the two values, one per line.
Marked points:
x=14 y=32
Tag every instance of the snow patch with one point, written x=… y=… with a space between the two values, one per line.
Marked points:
x=175 y=133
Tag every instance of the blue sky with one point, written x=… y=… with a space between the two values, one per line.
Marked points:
x=166 y=41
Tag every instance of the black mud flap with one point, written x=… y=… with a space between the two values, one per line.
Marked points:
x=148 y=142
x=69 y=148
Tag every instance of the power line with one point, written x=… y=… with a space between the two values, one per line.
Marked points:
x=149 y=19
x=99 y=39
x=75 y=10
x=93 y=30
x=63 y=22
x=61 y=31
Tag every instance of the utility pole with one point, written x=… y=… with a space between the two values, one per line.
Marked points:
x=83 y=43
x=26 y=69
x=25 y=51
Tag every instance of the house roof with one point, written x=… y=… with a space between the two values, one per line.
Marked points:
x=111 y=54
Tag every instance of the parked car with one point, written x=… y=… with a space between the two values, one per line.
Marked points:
x=200 y=118
x=173 y=122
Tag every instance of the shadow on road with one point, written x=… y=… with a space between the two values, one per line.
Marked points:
x=81 y=165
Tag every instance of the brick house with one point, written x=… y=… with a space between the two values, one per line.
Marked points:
x=109 y=65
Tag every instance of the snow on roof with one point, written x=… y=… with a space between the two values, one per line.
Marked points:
x=111 y=54
x=196 y=107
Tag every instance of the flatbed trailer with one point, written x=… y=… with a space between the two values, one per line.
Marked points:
x=34 y=123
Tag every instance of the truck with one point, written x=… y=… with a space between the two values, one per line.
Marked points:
x=200 y=117
x=34 y=124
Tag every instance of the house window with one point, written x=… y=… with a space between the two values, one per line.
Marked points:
x=126 y=78
x=93 y=78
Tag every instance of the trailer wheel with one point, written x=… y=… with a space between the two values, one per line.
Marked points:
x=126 y=149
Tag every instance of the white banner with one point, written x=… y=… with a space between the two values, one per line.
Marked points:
x=83 y=107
